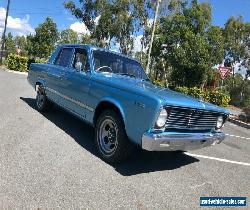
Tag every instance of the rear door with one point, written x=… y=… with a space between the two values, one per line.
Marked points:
x=55 y=74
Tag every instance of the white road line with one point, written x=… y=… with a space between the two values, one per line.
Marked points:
x=218 y=159
x=242 y=137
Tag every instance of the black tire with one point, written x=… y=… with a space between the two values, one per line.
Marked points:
x=122 y=147
x=42 y=102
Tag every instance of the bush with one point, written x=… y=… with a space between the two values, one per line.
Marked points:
x=158 y=83
x=218 y=97
x=30 y=61
x=17 y=63
x=41 y=60
x=194 y=91
x=184 y=90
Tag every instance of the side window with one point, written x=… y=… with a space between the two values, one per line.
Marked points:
x=133 y=70
x=64 y=57
x=81 y=59
x=97 y=63
x=117 y=66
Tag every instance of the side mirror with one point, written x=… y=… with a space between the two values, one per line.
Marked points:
x=78 y=66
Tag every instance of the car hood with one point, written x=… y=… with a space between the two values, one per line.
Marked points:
x=165 y=95
x=174 y=98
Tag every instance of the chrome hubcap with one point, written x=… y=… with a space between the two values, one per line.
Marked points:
x=40 y=99
x=107 y=137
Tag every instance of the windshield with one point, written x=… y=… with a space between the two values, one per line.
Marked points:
x=110 y=62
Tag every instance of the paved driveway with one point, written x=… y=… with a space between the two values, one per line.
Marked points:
x=49 y=161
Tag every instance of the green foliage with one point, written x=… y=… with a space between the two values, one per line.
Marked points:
x=194 y=91
x=234 y=36
x=21 y=43
x=42 y=43
x=10 y=45
x=191 y=45
x=239 y=90
x=68 y=36
x=158 y=83
x=110 y=21
x=245 y=99
x=184 y=90
x=237 y=44
x=217 y=97
x=17 y=63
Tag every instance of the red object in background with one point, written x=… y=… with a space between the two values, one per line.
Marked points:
x=224 y=71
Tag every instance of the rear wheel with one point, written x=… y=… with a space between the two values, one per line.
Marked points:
x=111 y=139
x=42 y=102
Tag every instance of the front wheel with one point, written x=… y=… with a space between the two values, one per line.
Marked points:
x=111 y=139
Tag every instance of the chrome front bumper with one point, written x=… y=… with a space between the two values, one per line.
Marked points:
x=173 y=141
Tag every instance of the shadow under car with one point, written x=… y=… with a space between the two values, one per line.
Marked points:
x=140 y=161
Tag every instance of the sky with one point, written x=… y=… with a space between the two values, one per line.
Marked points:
x=223 y=9
x=25 y=15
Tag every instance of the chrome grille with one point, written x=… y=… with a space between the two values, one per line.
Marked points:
x=191 y=119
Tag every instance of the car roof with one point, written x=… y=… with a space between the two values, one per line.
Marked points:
x=92 y=47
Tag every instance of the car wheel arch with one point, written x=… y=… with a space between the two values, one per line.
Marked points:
x=39 y=84
x=107 y=104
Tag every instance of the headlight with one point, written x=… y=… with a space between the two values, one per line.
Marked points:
x=162 y=118
x=220 y=122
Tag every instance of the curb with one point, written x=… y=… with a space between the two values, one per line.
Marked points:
x=240 y=123
x=15 y=72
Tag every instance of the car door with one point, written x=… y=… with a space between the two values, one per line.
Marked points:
x=76 y=84
x=55 y=74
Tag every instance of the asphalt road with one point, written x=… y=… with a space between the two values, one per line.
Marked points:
x=49 y=161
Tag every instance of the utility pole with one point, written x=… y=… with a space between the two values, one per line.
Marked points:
x=152 y=36
x=4 y=31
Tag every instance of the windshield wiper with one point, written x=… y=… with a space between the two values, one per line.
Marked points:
x=126 y=74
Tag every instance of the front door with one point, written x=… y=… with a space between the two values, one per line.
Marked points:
x=76 y=84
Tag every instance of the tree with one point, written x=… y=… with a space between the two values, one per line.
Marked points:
x=234 y=34
x=42 y=43
x=246 y=59
x=21 y=43
x=30 y=48
x=9 y=44
x=68 y=36
x=152 y=36
x=112 y=21
x=191 y=45
x=240 y=91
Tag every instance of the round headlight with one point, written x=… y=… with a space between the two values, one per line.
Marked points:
x=161 y=121
x=219 y=123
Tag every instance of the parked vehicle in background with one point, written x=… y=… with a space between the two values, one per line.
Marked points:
x=111 y=92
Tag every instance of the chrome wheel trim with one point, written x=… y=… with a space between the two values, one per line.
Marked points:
x=107 y=137
x=40 y=99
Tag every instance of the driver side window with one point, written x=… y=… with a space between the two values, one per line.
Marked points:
x=81 y=60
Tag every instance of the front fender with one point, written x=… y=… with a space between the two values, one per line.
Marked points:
x=137 y=119
x=117 y=104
